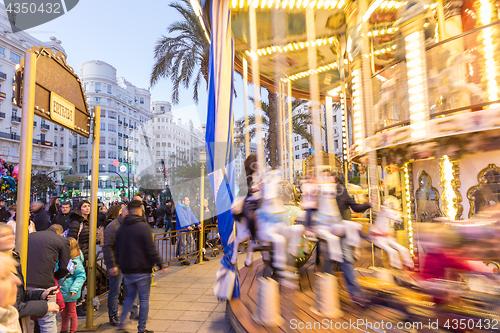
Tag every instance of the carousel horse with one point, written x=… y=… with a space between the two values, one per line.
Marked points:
x=330 y=226
x=271 y=222
x=380 y=235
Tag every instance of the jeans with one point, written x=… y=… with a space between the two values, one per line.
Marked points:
x=168 y=225
x=114 y=293
x=137 y=284
x=69 y=313
x=346 y=267
x=48 y=323
x=183 y=242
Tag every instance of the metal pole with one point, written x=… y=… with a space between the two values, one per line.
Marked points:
x=290 y=131
x=128 y=175
x=245 y=96
x=26 y=143
x=93 y=218
x=202 y=210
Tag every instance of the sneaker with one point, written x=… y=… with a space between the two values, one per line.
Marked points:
x=134 y=315
x=146 y=331
x=114 y=321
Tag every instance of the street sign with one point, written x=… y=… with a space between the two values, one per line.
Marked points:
x=59 y=94
x=116 y=163
x=123 y=168
x=123 y=192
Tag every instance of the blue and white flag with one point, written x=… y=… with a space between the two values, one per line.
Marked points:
x=219 y=129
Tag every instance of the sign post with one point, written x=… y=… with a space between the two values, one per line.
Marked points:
x=93 y=219
x=26 y=144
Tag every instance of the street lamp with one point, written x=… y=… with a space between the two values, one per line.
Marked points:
x=203 y=159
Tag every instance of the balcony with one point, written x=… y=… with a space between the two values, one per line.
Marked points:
x=131 y=126
x=74 y=160
x=75 y=146
x=45 y=127
x=120 y=148
x=55 y=145
x=56 y=128
x=3 y=76
x=126 y=124
x=119 y=135
x=120 y=122
x=15 y=119
x=125 y=136
x=10 y=136
x=120 y=159
x=43 y=143
x=34 y=124
x=2 y=115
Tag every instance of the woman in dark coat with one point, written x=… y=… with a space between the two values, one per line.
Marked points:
x=54 y=208
x=79 y=227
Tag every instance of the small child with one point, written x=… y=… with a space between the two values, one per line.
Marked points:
x=71 y=289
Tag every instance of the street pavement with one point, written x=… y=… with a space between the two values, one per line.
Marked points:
x=182 y=301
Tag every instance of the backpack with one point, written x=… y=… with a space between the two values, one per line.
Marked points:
x=65 y=233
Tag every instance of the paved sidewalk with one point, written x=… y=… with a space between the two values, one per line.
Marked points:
x=182 y=301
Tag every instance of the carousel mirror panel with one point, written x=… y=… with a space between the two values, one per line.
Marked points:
x=487 y=192
x=427 y=199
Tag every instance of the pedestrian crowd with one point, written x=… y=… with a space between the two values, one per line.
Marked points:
x=57 y=263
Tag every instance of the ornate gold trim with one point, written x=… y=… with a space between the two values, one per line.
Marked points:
x=309 y=162
x=421 y=185
x=455 y=184
x=481 y=182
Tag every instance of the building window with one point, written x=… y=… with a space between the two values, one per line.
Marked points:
x=169 y=145
x=112 y=141
x=103 y=126
x=111 y=154
x=157 y=153
x=84 y=168
x=97 y=87
x=103 y=113
x=83 y=141
x=297 y=157
x=162 y=108
x=163 y=144
x=102 y=140
x=85 y=87
x=336 y=143
x=334 y=119
x=297 y=147
x=109 y=89
x=15 y=58
x=101 y=168
x=2 y=51
x=102 y=154
x=111 y=167
x=83 y=154
x=141 y=100
x=305 y=145
x=112 y=127
x=109 y=100
x=157 y=145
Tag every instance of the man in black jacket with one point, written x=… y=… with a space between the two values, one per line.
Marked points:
x=62 y=217
x=136 y=256
x=4 y=214
x=114 y=273
x=45 y=250
x=40 y=216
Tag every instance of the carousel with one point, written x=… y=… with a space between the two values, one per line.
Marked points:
x=415 y=86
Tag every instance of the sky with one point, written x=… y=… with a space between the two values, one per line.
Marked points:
x=123 y=34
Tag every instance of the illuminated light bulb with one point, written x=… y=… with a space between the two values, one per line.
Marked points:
x=340 y=4
x=273 y=48
x=305 y=3
x=247 y=52
x=398 y=5
x=242 y=3
x=375 y=33
x=383 y=50
x=301 y=45
x=396 y=29
x=259 y=52
x=383 y=4
x=269 y=50
x=426 y=24
x=234 y=3
x=369 y=33
x=295 y=46
x=434 y=5
x=394 y=47
x=312 y=4
x=345 y=61
x=263 y=52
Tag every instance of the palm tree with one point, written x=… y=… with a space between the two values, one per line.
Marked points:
x=300 y=124
x=187 y=178
x=184 y=57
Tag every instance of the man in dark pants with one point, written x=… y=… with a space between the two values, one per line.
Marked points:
x=114 y=273
x=136 y=256
x=345 y=203
x=62 y=217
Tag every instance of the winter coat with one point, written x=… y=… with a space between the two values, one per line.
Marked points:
x=345 y=201
x=4 y=214
x=184 y=217
x=101 y=220
x=135 y=251
x=74 y=283
x=169 y=211
x=62 y=219
x=110 y=243
x=28 y=302
x=83 y=238
x=41 y=220
x=45 y=249
x=53 y=210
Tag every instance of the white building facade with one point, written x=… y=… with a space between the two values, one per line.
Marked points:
x=175 y=143
x=52 y=145
x=126 y=147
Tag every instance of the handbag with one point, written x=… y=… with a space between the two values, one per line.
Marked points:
x=151 y=219
x=224 y=283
